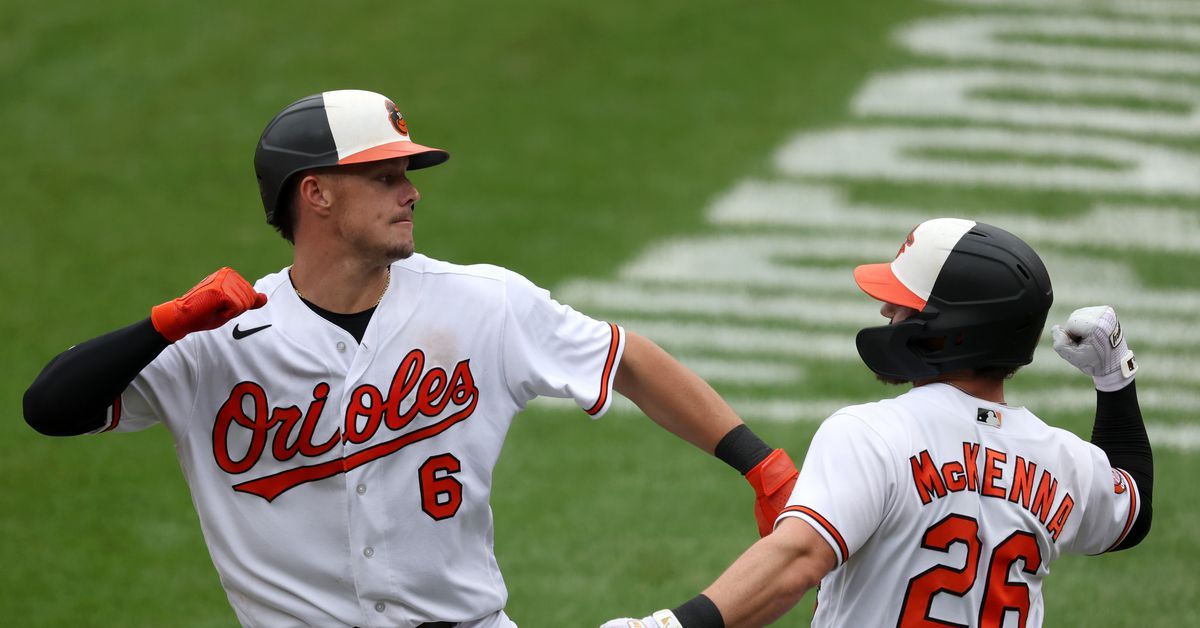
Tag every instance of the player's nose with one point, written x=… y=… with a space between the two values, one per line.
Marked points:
x=409 y=195
x=896 y=313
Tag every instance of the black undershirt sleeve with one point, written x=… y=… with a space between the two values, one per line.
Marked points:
x=1121 y=434
x=72 y=394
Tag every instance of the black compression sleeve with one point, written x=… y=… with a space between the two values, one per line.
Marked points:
x=741 y=449
x=699 y=612
x=1121 y=434
x=72 y=394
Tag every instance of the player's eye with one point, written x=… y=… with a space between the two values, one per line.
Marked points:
x=387 y=179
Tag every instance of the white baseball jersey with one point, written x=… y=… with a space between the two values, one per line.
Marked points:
x=342 y=484
x=942 y=507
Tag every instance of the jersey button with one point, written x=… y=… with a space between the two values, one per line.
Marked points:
x=341 y=347
x=362 y=489
x=380 y=606
x=368 y=551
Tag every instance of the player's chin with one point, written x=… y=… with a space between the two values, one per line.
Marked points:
x=400 y=250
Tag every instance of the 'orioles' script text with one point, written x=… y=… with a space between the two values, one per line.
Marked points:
x=368 y=410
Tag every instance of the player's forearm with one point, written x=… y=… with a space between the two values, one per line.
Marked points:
x=672 y=395
x=1121 y=434
x=72 y=393
x=772 y=576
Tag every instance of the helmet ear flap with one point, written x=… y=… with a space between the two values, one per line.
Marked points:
x=888 y=350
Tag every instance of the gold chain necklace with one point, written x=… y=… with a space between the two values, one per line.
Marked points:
x=386 y=284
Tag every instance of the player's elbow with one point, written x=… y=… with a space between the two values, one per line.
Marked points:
x=803 y=575
x=794 y=583
x=38 y=411
x=1140 y=532
x=1140 y=529
x=808 y=559
x=45 y=416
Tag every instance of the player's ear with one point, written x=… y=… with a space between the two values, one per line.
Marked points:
x=315 y=192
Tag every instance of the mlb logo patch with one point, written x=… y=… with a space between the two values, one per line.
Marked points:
x=988 y=416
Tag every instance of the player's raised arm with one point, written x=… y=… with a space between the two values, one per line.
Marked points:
x=1094 y=342
x=684 y=404
x=73 y=392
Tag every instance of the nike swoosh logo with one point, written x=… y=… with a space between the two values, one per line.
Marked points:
x=238 y=334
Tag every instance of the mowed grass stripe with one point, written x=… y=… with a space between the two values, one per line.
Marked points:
x=1164 y=334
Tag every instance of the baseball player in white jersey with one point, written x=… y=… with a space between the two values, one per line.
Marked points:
x=946 y=506
x=338 y=422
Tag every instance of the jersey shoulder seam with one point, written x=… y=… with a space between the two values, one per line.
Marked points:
x=866 y=424
x=896 y=461
x=192 y=355
x=500 y=346
x=489 y=272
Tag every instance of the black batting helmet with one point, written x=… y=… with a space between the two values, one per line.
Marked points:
x=981 y=295
x=329 y=129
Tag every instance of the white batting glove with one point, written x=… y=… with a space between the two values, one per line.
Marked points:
x=661 y=619
x=1094 y=342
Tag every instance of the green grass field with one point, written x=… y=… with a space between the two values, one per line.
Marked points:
x=583 y=135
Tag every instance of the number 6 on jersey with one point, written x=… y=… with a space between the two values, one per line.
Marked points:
x=441 y=494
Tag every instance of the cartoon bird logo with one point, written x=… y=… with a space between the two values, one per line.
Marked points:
x=907 y=242
x=396 y=118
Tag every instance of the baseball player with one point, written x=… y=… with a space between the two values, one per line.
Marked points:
x=946 y=506
x=338 y=421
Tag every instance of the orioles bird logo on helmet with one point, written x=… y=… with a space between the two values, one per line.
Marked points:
x=396 y=117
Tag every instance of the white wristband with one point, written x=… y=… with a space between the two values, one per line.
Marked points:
x=1112 y=382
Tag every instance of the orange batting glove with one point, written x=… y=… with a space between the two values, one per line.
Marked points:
x=772 y=479
x=222 y=296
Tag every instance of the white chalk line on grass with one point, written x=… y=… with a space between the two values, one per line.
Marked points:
x=1183 y=437
x=744 y=372
x=850 y=313
x=747 y=341
x=1070 y=161
x=1176 y=436
x=1161 y=107
x=1023 y=39
x=1140 y=8
x=1076 y=102
x=807 y=205
x=775 y=261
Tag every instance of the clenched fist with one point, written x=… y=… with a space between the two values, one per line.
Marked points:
x=214 y=301
x=1094 y=342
